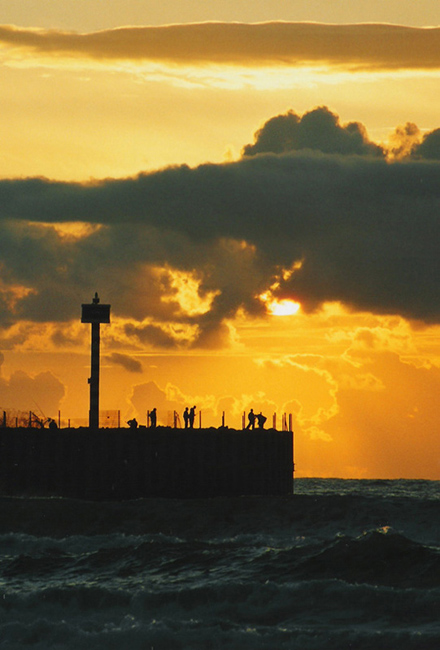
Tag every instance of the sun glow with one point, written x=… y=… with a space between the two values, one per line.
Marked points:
x=71 y=230
x=283 y=307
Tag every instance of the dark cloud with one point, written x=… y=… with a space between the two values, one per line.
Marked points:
x=362 y=46
x=151 y=334
x=429 y=148
x=318 y=130
x=364 y=230
x=127 y=362
x=63 y=338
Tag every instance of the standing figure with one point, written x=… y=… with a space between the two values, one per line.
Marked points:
x=251 y=418
x=153 y=418
x=186 y=417
x=261 y=420
x=192 y=416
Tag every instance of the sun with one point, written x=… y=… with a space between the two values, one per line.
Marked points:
x=283 y=307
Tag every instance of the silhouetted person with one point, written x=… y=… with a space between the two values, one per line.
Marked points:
x=132 y=423
x=52 y=424
x=192 y=416
x=251 y=420
x=261 y=420
x=186 y=417
x=153 y=418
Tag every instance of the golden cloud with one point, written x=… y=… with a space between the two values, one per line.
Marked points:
x=356 y=46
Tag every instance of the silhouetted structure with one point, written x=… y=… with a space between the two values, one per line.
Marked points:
x=95 y=314
x=135 y=463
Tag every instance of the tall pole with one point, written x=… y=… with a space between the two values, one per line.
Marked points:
x=95 y=314
x=94 y=378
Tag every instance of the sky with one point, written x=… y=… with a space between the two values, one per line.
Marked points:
x=254 y=188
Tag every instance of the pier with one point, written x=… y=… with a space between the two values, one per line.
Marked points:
x=105 y=463
x=117 y=464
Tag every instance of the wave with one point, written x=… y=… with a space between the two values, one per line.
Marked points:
x=311 y=515
x=379 y=557
x=323 y=614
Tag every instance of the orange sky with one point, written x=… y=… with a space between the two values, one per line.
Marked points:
x=198 y=175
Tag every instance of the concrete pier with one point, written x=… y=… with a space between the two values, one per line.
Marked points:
x=106 y=464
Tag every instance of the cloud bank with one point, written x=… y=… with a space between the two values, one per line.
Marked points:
x=314 y=211
x=42 y=392
x=360 y=46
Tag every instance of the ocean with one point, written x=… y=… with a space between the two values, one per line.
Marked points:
x=341 y=564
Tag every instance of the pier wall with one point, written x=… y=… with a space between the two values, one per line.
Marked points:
x=129 y=464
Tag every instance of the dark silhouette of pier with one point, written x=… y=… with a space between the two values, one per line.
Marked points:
x=127 y=463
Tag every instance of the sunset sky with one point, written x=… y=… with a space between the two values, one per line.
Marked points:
x=254 y=187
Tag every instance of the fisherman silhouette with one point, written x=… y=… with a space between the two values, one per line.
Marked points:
x=132 y=423
x=261 y=420
x=192 y=416
x=153 y=418
x=186 y=417
x=251 y=418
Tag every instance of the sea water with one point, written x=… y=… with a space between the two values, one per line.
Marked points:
x=340 y=565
